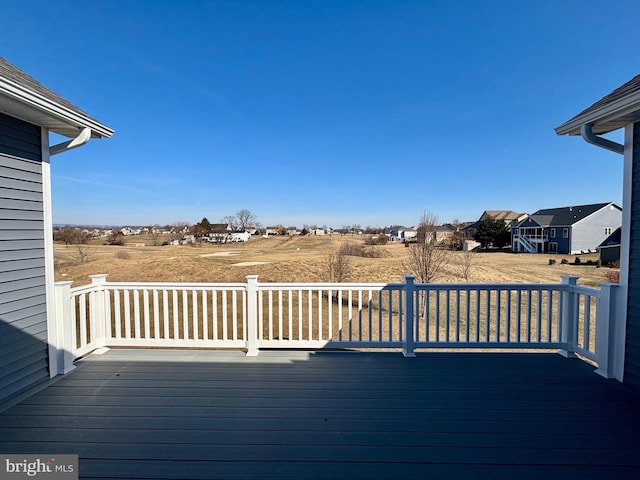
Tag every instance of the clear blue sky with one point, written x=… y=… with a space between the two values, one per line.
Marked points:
x=326 y=112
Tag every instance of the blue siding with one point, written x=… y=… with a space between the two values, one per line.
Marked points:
x=20 y=139
x=563 y=243
x=632 y=357
x=23 y=319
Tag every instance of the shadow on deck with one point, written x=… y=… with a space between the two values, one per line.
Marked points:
x=212 y=414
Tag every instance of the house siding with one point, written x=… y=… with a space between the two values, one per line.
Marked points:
x=563 y=243
x=632 y=347
x=23 y=319
x=20 y=139
x=589 y=233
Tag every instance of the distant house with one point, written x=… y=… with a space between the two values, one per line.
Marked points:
x=507 y=216
x=609 y=250
x=293 y=231
x=317 y=231
x=186 y=240
x=571 y=230
x=444 y=233
x=30 y=350
x=239 y=237
x=402 y=234
x=219 y=233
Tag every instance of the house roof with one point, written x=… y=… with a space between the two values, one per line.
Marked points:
x=506 y=215
x=23 y=97
x=565 y=216
x=220 y=228
x=542 y=220
x=613 y=240
x=611 y=112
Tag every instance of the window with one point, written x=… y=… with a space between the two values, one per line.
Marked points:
x=553 y=233
x=553 y=247
x=565 y=233
x=608 y=230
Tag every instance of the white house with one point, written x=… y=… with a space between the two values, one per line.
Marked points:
x=402 y=234
x=239 y=237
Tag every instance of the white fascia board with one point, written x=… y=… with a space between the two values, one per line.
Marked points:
x=618 y=108
x=54 y=109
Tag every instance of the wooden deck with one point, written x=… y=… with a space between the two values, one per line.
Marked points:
x=209 y=414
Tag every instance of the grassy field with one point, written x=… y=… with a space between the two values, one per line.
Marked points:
x=302 y=259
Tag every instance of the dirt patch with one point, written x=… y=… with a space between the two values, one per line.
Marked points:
x=220 y=254
x=247 y=264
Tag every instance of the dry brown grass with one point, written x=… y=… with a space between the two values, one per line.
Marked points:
x=300 y=260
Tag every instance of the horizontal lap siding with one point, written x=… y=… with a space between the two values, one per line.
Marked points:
x=23 y=321
x=632 y=356
x=20 y=139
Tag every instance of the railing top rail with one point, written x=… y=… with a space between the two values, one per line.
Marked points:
x=166 y=286
x=335 y=286
x=585 y=290
x=83 y=289
x=177 y=285
x=330 y=286
x=491 y=286
x=237 y=286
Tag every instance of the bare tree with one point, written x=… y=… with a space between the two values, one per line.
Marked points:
x=155 y=232
x=246 y=219
x=338 y=265
x=78 y=240
x=467 y=260
x=426 y=260
x=232 y=221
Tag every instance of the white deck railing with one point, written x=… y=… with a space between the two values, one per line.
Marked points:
x=254 y=315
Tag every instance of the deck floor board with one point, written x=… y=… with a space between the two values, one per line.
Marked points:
x=212 y=414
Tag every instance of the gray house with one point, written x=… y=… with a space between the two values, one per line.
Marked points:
x=28 y=112
x=572 y=230
x=621 y=109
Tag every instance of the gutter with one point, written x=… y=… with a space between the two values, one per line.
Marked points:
x=590 y=137
x=621 y=107
x=52 y=108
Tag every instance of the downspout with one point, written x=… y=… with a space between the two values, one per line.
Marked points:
x=81 y=139
x=616 y=358
x=55 y=337
x=593 y=139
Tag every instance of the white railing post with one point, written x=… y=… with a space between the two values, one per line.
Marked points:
x=409 y=330
x=252 y=316
x=568 y=317
x=97 y=310
x=65 y=328
x=606 y=330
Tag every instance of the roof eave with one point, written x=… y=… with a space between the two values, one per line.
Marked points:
x=26 y=100
x=607 y=118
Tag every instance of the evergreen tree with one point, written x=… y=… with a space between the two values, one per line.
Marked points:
x=202 y=228
x=492 y=233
